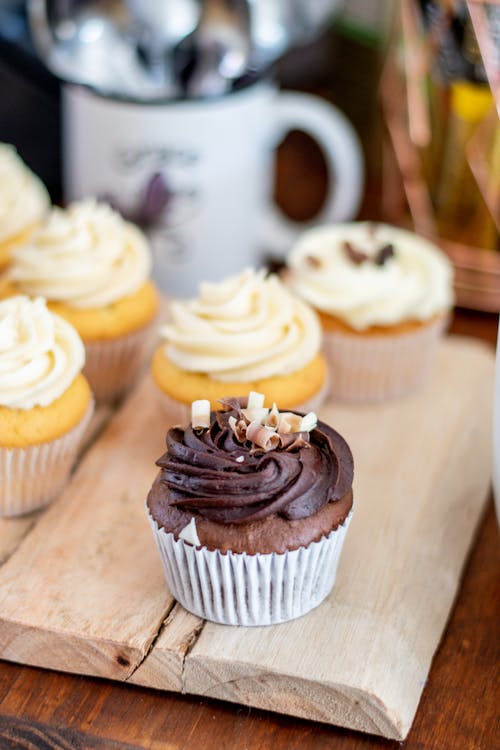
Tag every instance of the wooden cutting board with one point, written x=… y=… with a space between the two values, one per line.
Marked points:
x=82 y=590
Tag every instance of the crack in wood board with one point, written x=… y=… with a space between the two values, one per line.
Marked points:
x=92 y=556
x=88 y=572
x=163 y=666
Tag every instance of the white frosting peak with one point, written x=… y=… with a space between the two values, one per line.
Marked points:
x=85 y=256
x=23 y=198
x=40 y=354
x=247 y=327
x=414 y=284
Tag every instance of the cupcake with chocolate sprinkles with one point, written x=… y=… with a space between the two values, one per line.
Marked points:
x=383 y=295
x=249 y=511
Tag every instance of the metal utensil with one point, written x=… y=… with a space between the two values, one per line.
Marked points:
x=159 y=26
x=89 y=42
x=277 y=25
x=217 y=52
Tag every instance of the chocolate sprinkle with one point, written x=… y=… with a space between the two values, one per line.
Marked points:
x=383 y=255
x=356 y=256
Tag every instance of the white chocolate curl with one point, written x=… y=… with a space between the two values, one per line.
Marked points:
x=245 y=328
x=255 y=400
x=200 y=414
x=289 y=422
x=189 y=534
x=308 y=422
x=255 y=415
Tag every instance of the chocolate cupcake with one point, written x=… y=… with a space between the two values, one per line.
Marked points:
x=250 y=510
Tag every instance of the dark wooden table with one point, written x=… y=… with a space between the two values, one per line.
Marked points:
x=458 y=710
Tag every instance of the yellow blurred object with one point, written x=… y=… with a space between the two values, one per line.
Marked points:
x=461 y=212
x=470 y=101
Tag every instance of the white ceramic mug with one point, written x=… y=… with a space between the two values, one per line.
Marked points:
x=207 y=166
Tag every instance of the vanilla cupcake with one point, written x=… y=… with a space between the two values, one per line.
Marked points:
x=45 y=403
x=383 y=295
x=245 y=333
x=250 y=510
x=24 y=202
x=93 y=268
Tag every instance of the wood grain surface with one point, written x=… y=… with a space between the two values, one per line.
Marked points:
x=458 y=709
x=400 y=567
x=104 y=601
x=83 y=591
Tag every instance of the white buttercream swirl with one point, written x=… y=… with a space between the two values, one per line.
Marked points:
x=413 y=285
x=23 y=198
x=86 y=256
x=245 y=328
x=40 y=354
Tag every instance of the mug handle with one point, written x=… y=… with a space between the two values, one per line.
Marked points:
x=340 y=145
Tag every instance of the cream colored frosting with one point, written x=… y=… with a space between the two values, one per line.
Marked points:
x=246 y=327
x=85 y=256
x=414 y=285
x=40 y=354
x=23 y=198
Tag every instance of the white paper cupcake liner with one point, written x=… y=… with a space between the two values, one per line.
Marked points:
x=366 y=369
x=32 y=477
x=112 y=365
x=179 y=413
x=241 y=589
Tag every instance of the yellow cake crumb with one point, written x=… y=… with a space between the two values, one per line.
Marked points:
x=126 y=315
x=20 y=428
x=287 y=391
x=332 y=324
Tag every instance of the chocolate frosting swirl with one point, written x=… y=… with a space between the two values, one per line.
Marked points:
x=204 y=473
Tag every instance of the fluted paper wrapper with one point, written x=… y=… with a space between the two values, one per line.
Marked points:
x=369 y=369
x=32 y=477
x=179 y=413
x=241 y=589
x=112 y=365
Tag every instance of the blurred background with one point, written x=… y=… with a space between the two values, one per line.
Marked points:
x=334 y=49
x=418 y=79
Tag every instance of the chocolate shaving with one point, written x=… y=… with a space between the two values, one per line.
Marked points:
x=282 y=432
x=290 y=441
x=232 y=403
x=383 y=255
x=239 y=428
x=356 y=256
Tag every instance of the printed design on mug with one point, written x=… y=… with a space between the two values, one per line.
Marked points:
x=164 y=197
